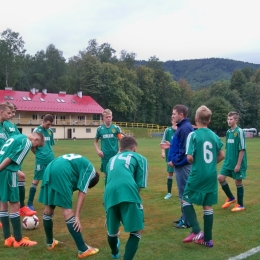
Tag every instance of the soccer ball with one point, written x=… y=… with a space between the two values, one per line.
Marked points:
x=30 y=222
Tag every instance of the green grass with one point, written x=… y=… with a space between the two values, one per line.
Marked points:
x=233 y=233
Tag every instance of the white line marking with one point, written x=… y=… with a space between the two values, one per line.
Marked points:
x=246 y=254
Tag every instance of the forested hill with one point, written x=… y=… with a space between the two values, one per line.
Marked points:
x=201 y=73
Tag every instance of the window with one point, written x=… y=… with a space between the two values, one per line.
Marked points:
x=73 y=130
x=28 y=98
x=10 y=97
x=53 y=130
x=42 y=100
x=62 y=100
x=35 y=117
x=81 y=117
x=58 y=100
x=24 y=98
x=62 y=117
x=6 y=97
x=95 y=116
x=32 y=130
x=88 y=130
x=73 y=101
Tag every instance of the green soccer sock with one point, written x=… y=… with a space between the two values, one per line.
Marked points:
x=112 y=241
x=226 y=189
x=169 y=184
x=208 y=224
x=240 y=195
x=131 y=246
x=4 y=217
x=16 y=223
x=48 y=228
x=32 y=193
x=77 y=236
x=191 y=217
x=21 y=188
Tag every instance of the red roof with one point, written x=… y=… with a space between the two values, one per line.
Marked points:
x=27 y=101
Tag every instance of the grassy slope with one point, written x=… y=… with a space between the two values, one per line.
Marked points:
x=233 y=233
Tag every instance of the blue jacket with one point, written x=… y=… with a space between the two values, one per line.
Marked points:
x=177 y=150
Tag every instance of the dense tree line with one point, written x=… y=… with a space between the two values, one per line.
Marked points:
x=144 y=93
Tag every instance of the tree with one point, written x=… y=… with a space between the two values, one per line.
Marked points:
x=128 y=58
x=11 y=53
x=238 y=80
x=154 y=63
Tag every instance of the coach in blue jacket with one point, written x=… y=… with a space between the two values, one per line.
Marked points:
x=177 y=157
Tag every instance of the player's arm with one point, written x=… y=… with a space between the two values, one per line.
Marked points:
x=5 y=163
x=239 y=161
x=33 y=149
x=81 y=198
x=99 y=152
x=221 y=156
x=163 y=153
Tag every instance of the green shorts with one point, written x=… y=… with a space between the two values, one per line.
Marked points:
x=200 y=198
x=39 y=171
x=51 y=197
x=8 y=186
x=103 y=166
x=234 y=175
x=170 y=169
x=130 y=214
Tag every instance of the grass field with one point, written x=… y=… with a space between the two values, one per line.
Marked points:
x=233 y=233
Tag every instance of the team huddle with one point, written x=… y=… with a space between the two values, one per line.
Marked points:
x=191 y=156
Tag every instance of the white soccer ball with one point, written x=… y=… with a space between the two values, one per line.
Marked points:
x=30 y=222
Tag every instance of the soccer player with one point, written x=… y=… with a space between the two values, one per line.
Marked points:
x=63 y=176
x=203 y=151
x=43 y=155
x=167 y=136
x=126 y=175
x=11 y=130
x=12 y=155
x=109 y=135
x=177 y=157
x=235 y=163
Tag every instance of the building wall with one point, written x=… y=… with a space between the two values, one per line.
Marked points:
x=65 y=132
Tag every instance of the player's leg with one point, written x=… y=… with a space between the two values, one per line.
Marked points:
x=38 y=175
x=48 y=226
x=240 y=197
x=133 y=221
x=83 y=249
x=225 y=187
x=4 y=217
x=24 y=211
x=113 y=223
x=169 y=182
x=191 y=216
x=182 y=173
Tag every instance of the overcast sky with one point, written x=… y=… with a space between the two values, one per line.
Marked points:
x=167 y=29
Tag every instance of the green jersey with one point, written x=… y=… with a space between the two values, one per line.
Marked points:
x=167 y=136
x=3 y=134
x=109 y=140
x=44 y=154
x=15 y=148
x=68 y=173
x=204 y=145
x=11 y=128
x=126 y=173
x=235 y=142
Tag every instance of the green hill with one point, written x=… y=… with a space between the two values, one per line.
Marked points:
x=201 y=73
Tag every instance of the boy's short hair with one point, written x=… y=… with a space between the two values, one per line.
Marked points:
x=9 y=104
x=203 y=115
x=106 y=112
x=94 y=181
x=234 y=114
x=127 y=143
x=40 y=136
x=4 y=107
x=48 y=117
x=181 y=109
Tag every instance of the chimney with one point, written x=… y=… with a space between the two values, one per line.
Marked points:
x=44 y=91
x=33 y=90
x=62 y=92
x=8 y=88
x=79 y=93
